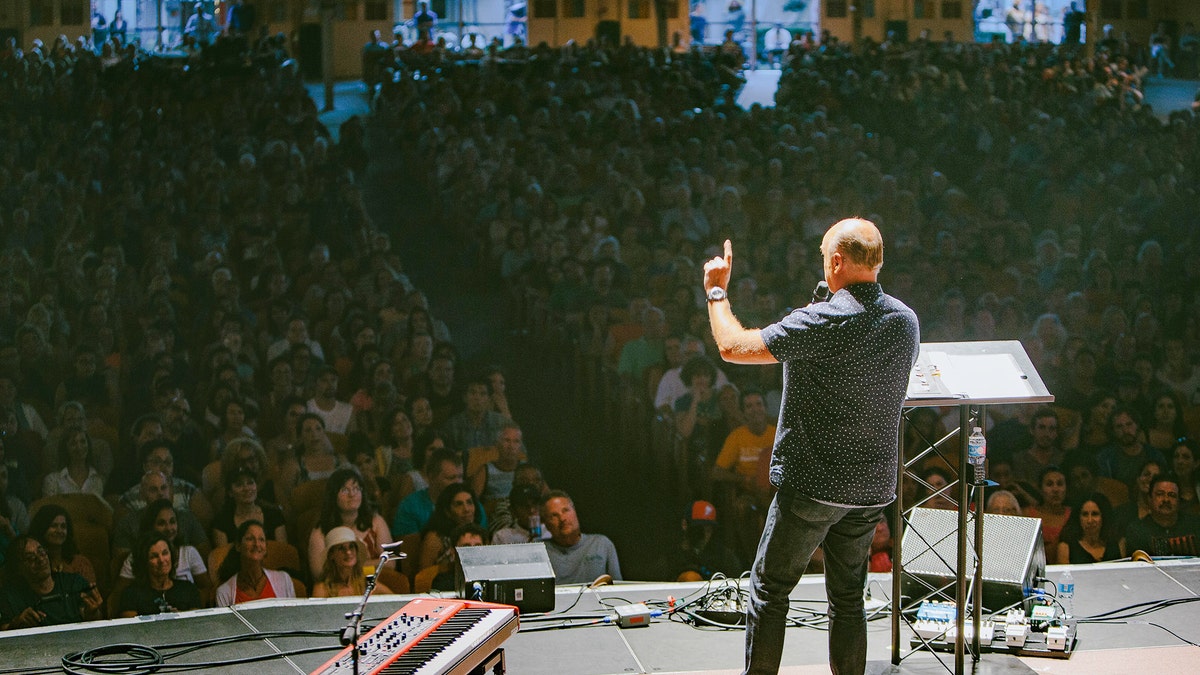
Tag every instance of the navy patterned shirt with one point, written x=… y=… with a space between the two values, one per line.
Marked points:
x=846 y=364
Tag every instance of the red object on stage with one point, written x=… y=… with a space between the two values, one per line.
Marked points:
x=430 y=635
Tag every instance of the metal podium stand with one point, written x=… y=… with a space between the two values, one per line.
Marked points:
x=970 y=375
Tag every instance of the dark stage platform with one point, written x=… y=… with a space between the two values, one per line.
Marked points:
x=1154 y=642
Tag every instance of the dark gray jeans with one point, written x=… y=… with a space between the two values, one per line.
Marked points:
x=796 y=525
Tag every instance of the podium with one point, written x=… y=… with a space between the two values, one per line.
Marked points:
x=971 y=376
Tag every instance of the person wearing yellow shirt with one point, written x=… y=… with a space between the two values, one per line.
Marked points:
x=738 y=461
x=736 y=472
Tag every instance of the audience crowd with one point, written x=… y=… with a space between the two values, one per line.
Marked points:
x=217 y=383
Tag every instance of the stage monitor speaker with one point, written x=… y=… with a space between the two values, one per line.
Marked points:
x=1013 y=557
x=509 y=574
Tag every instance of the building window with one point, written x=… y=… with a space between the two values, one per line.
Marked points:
x=1110 y=9
x=868 y=8
x=545 y=9
x=919 y=9
x=673 y=9
x=41 y=12
x=835 y=9
x=575 y=9
x=376 y=11
x=951 y=9
x=71 y=13
x=278 y=11
x=639 y=9
x=347 y=10
x=1139 y=9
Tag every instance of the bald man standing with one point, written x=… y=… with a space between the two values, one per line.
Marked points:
x=846 y=363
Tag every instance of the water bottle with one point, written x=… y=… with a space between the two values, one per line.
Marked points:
x=535 y=527
x=1066 y=594
x=977 y=453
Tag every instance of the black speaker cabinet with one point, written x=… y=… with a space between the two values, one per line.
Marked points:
x=1012 y=556
x=509 y=574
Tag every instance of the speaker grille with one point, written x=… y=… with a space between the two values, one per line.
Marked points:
x=1012 y=552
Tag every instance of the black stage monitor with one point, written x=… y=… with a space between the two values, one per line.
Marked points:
x=509 y=574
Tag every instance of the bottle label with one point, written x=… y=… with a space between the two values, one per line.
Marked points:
x=1066 y=589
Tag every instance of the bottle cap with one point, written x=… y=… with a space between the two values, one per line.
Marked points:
x=977 y=429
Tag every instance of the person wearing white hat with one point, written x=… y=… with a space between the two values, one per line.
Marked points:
x=342 y=573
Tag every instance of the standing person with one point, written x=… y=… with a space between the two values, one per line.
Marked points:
x=846 y=367
x=1073 y=21
x=241 y=19
x=425 y=19
x=118 y=28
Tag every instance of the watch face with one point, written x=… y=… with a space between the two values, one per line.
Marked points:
x=717 y=293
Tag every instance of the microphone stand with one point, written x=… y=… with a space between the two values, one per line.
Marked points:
x=350 y=631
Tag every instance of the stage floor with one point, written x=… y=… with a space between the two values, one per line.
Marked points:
x=1141 y=644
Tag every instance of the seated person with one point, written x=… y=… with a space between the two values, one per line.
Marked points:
x=577 y=558
x=155 y=589
x=525 y=475
x=343 y=505
x=33 y=595
x=52 y=527
x=242 y=504
x=494 y=480
x=342 y=573
x=470 y=534
x=700 y=554
x=442 y=468
x=1166 y=531
x=161 y=517
x=154 y=486
x=1090 y=535
x=158 y=455
x=1052 y=510
x=455 y=507
x=1004 y=503
x=78 y=473
x=524 y=502
x=14 y=517
x=243 y=577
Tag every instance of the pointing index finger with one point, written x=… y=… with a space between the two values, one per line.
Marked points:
x=728 y=252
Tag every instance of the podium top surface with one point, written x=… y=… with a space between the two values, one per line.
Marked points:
x=981 y=373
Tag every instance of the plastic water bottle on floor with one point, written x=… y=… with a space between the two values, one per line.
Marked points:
x=1066 y=594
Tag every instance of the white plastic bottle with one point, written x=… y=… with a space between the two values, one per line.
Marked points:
x=1066 y=593
x=977 y=453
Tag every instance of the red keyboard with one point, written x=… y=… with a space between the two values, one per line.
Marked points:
x=430 y=636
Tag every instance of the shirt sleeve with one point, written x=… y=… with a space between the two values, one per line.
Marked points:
x=194 y=561
x=405 y=521
x=729 y=451
x=793 y=336
x=613 y=565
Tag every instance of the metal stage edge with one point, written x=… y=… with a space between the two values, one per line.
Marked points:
x=665 y=646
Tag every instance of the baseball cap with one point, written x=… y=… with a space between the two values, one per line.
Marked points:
x=701 y=510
